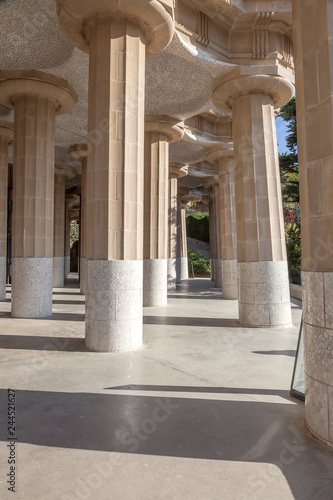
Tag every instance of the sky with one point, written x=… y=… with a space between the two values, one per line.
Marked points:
x=281 y=131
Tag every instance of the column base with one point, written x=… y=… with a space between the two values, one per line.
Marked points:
x=3 y=274
x=32 y=287
x=184 y=268
x=67 y=266
x=83 y=275
x=317 y=288
x=58 y=272
x=155 y=282
x=229 y=280
x=172 y=274
x=178 y=270
x=212 y=269
x=218 y=273
x=113 y=305
x=264 y=296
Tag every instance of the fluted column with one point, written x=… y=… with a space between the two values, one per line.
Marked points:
x=176 y=171
x=62 y=173
x=213 y=184
x=264 y=299
x=36 y=98
x=70 y=200
x=313 y=34
x=79 y=152
x=184 y=258
x=160 y=131
x=117 y=34
x=223 y=157
x=6 y=138
x=211 y=241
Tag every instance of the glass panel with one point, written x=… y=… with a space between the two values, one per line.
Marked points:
x=298 y=384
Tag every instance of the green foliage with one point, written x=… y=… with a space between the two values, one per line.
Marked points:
x=288 y=114
x=289 y=161
x=201 y=266
x=74 y=232
x=197 y=226
x=294 y=251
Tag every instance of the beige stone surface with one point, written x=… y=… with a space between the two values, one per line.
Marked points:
x=148 y=15
x=260 y=226
x=79 y=152
x=156 y=179
x=115 y=159
x=6 y=137
x=62 y=172
x=314 y=87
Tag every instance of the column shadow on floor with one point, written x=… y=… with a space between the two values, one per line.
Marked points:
x=202 y=389
x=236 y=431
x=291 y=353
x=190 y=321
x=70 y=302
x=34 y=343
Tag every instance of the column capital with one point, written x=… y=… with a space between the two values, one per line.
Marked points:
x=14 y=83
x=217 y=153
x=155 y=19
x=65 y=170
x=227 y=90
x=183 y=191
x=178 y=170
x=72 y=199
x=210 y=182
x=172 y=128
x=78 y=152
x=206 y=199
x=7 y=131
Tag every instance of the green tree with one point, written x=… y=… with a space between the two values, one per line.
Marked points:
x=289 y=161
x=74 y=233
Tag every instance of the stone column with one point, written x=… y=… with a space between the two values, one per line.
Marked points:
x=36 y=98
x=160 y=131
x=211 y=241
x=313 y=33
x=6 y=138
x=212 y=182
x=62 y=172
x=184 y=259
x=70 y=201
x=264 y=299
x=67 y=239
x=78 y=152
x=223 y=156
x=117 y=34
x=176 y=171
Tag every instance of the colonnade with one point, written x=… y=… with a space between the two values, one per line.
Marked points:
x=130 y=217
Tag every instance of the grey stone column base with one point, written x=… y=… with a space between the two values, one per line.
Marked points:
x=178 y=270
x=264 y=296
x=155 y=282
x=3 y=274
x=58 y=272
x=113 y=305
x=83 y=275
x=229 y=280
x=184 y=268
x=218 y=273
x=172 y=274
x=67 y=266
x=212 y=269
x=318 y=353
x=32 y=287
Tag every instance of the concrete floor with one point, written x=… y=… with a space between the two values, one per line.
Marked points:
x=202 y=411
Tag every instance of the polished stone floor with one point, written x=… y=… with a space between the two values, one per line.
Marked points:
x=202 y=411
